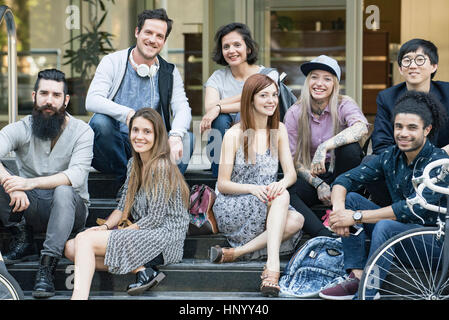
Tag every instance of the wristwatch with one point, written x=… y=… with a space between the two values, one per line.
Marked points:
x=174 y=134
x=357 y=216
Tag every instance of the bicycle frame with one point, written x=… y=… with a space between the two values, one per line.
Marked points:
x=424 y=181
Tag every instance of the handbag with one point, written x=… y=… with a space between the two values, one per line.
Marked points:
x=202 y=219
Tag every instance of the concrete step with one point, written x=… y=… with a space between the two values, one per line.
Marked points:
x=170 y=295
x=191 y=275
x=102 y=186
x=195 y=247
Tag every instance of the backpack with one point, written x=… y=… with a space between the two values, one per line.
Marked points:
x=315 y=265
x=286 y=96
x=202 y=219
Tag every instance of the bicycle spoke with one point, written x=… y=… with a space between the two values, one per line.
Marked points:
x=408 y=266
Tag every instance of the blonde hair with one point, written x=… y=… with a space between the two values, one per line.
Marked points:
x=302 y=154
x=159 y=176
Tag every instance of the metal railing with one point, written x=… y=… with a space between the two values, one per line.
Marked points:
x=6 y=13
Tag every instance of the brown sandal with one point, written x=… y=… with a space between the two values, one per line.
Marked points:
x=218 y=254
x=270 y=283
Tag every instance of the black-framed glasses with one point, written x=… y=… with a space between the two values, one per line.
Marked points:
x=419 y=61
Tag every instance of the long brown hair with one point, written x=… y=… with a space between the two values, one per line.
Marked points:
x=159 y=174
x=254 y=84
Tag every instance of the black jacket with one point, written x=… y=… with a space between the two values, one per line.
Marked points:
x=382 y=136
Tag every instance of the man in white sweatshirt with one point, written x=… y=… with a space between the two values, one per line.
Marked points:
x=130 y=79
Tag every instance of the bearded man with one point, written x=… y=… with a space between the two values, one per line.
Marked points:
x=49 y=194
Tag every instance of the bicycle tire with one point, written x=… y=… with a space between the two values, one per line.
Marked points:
x=9 y=288
x=412 y=281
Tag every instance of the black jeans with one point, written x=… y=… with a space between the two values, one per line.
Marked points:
x=303 y=196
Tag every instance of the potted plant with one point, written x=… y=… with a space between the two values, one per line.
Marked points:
x=93 y=44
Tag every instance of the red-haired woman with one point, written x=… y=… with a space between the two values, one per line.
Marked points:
x=252 y=208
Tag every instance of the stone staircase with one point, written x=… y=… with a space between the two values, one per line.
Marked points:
x=195 y=278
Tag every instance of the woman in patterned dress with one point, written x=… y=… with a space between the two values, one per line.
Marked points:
x=154 y=202
x=252 y=208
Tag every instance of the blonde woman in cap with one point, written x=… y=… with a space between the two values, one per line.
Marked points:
x=324 y=129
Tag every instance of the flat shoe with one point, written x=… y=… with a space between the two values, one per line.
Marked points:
x=218 y=254
x=145 y=280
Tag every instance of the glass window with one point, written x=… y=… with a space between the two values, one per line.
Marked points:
x=298 y=36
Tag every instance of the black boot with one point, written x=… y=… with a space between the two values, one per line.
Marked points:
x=145 y=280
x=22 y=246
x=45 y=277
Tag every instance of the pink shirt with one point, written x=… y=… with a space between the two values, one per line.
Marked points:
x=321 y=127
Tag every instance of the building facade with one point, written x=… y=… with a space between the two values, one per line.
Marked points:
x=363 y=36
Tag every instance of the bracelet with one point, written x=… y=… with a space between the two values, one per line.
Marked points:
x=218 y=104
x=107 y=227
x=319 y=184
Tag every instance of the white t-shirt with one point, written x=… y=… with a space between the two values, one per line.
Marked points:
x=227 y=86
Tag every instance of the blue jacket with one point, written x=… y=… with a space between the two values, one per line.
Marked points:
x=382 y=136
x=392 y=167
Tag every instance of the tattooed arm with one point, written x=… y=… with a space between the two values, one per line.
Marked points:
x=322 y=188
x=349 y=135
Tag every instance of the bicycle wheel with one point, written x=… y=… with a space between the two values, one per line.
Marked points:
x=407 y=266
x=9 y=288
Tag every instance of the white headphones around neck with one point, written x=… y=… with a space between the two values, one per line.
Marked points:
x=143 y=70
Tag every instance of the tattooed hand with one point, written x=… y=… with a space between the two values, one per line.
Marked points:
x=318 y=162
x=324 y=193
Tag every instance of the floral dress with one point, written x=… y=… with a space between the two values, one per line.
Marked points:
x=242 y=217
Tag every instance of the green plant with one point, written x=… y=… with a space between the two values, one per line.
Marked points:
x=93 y=43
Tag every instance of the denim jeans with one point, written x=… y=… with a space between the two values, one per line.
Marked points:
x=355 y=256
x=112 y=148
x=58 y=212
x=213 y=149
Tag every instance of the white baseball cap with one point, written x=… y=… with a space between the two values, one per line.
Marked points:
x=322 y=62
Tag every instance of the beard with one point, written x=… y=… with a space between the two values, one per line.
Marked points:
x=47 y=127
x=414 y=145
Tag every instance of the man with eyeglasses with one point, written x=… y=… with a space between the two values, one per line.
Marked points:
x=418 y=64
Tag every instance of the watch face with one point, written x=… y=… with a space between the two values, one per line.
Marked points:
x=357 y=215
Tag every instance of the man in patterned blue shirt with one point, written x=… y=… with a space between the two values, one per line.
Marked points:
x=417 y=115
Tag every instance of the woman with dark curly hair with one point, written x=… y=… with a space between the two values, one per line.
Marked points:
x=237 y=51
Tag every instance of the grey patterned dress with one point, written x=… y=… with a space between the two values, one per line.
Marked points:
x=163 y=227
x=242 y=217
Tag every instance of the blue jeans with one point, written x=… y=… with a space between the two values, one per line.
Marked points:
x=213 y=149
x=112 y=148
x=355 y=256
